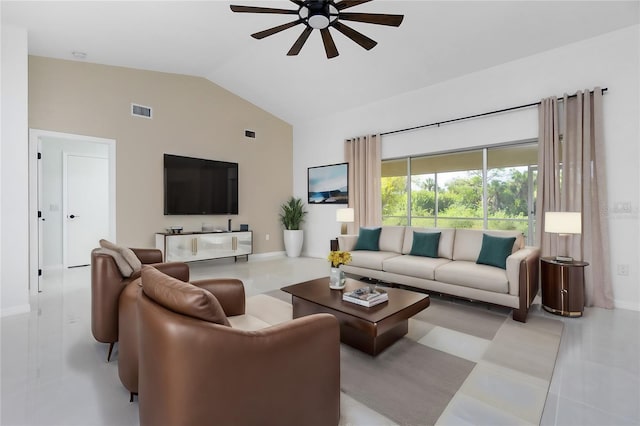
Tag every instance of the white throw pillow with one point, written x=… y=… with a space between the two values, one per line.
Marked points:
x=128 y=254
x=125 y=269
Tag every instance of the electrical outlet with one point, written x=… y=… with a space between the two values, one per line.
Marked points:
x=623 y=270
x=266 y=237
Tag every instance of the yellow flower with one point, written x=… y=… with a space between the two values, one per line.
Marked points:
x=338 y=258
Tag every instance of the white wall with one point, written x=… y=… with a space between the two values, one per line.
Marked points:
x=14 y=254
x=608 y=61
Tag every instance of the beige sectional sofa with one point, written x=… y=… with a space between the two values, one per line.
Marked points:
x=455 y=271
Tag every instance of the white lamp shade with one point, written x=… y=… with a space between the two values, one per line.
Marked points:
x=345 y=215
x=563 y=222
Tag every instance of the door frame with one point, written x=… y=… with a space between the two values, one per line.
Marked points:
x=35 y=137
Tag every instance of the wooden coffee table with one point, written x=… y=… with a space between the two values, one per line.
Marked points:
x=369 y=329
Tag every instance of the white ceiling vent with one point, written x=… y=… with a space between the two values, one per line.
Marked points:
x=140 y=111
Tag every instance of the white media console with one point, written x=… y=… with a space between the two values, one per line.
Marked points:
x=192 y=246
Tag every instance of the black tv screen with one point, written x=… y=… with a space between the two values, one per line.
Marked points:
x=198 y=186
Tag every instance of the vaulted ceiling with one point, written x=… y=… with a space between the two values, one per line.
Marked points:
x=437 y=41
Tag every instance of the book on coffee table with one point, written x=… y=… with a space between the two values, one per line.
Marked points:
x=366 y=296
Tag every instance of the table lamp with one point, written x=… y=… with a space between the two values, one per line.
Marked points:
x=345 y=216
x=563 y=224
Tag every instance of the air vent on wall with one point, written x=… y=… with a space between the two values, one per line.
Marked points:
x=249 y=134
x=140 y=111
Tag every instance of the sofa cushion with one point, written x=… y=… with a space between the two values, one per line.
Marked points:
x=247 y=322
x=445 y=245
x=414 y=266
x=125 y=252
x=368 y=239
x=269 y=309
x=370 y=259
x=392 y=238
x=347 y=242
x=181 y=297
x=425 y=244
x=468 y=242
x=470 y=274
x=495 y=250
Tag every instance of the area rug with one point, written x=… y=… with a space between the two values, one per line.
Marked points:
x=460 y=363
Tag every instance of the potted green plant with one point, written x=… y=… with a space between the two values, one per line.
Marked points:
x=292 y=215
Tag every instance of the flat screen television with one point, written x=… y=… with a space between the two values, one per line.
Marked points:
x=195 y=186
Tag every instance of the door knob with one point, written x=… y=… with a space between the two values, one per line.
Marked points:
x=72 y=216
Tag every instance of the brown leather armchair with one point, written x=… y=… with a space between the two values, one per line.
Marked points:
x=107 y=283
x=196 y=370
x=228 y=291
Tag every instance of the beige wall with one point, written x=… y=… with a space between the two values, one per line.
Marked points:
x=191 y=117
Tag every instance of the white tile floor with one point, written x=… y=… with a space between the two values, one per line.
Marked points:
x=54 y=373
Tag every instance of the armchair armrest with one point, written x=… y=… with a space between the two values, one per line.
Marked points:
x=106 y=285
x=147 y=255
x=347 y=242
x=228 y=291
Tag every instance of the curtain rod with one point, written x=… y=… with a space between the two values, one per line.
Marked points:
x=468 y=117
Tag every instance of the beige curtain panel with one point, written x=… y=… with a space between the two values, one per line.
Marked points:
x=548 y=195
x=581 y=175
x=364 y=157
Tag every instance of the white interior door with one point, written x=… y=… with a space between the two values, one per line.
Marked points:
x=86 y=206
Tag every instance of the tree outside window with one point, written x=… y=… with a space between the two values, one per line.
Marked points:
x=448 y=190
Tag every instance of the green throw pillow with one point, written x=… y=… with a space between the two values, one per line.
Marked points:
x=495 y=250
x=425 y=244
x=368 y=239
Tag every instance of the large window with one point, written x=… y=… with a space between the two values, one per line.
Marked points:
x=490 y=188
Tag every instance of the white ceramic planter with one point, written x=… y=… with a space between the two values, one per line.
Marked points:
x=293 y=240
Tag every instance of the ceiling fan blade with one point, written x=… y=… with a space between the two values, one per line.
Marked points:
x=373 y=18
x=295 y=49
x=345 y=4
x=329 y=45
x=356 y=36
x=274 y=30
x=298 y=2
x=253 y=9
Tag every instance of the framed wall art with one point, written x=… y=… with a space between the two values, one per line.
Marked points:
x=328 y=184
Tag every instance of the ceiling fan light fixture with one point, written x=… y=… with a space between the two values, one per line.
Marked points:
x=317 y=14
x=318 y=21
x=323 y=15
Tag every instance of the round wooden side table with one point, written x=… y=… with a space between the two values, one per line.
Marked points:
x=562 y=286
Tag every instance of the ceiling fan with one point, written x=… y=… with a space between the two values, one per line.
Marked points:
x=322 y=15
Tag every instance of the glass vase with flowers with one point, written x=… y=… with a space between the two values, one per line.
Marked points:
x=337 y=279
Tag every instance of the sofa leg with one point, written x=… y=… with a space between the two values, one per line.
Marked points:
x=110 y=350
x=520 y=315
x=131 y=396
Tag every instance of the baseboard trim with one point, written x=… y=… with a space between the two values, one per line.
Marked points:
x=618 y=304
x=267 y=255
x=15 y=310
